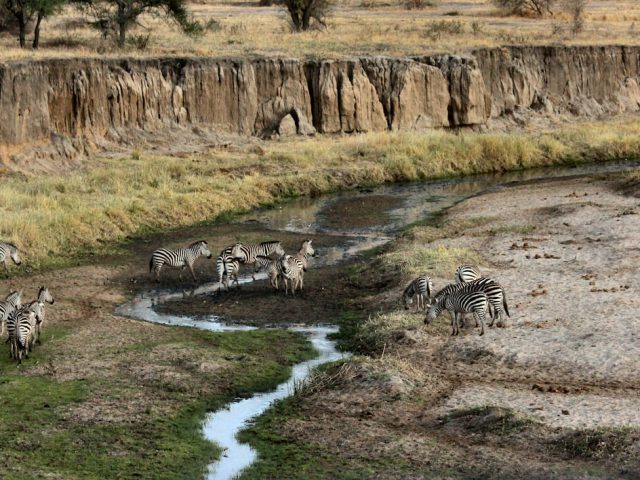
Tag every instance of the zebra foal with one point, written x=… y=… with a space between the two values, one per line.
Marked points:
x=420 y=289
x=178 y=258
x=458 y=303
x=273 y=268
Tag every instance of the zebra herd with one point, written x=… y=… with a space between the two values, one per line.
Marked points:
x=471 y=293
x=268 y=256
x=22 y=321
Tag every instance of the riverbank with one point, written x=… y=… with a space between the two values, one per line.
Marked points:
x=61 y=218
x=552 y=395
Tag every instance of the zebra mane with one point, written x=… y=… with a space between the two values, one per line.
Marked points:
x=447 y=289
x=408 y=291
x=198 y=242
x=10 y=245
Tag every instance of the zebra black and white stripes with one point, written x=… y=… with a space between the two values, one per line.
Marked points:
x=294 y=266
x=7 y=307
x=467 y=273
x=247 y=254
x=273 y=268
x=16 y=325
x=458 y=303
x=495 y=295
x=419 y=289
x=9 y=250
x=227 y=267
x=178 y=258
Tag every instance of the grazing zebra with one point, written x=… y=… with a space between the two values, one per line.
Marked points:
x=457 y=303
x=272 y=267
x=420 y=288
x=247 y=254
x=495 y=294
x=294 y=266
x=9 y=250
x=467 y=273
x=25 y=324
x=227 y=268
x=181 y=257
x=7 y=307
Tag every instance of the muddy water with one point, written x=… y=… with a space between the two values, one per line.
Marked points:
x=358 y=221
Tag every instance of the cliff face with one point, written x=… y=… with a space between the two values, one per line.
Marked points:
x=72 y=103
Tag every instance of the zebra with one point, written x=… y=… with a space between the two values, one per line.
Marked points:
x=467 y=273
x=44 y=296
x=495 y=294
x=273 y=268
x=8 y=306
x=227 y=268
x=294 y=266
x=25 y=324
x=421 y=288
x=181 y=257
x=9 y=250
x=37 y=307
x=247 y=254
x=459 y=302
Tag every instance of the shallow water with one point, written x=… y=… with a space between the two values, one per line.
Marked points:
x=378 y=223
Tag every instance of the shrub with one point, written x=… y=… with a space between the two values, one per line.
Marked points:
x=526 y=7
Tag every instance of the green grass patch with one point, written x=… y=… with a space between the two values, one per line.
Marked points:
x=45 y=431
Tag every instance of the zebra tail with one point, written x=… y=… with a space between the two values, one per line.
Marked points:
x=504 y=304
x=151 y=263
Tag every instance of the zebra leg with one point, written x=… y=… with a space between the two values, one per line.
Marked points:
x=192 y=272
x=480 y=314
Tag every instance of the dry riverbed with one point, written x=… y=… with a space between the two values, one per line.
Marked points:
x=552 y=395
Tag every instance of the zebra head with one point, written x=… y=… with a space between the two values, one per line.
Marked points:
x=307 y=249
x=434 y=310
x=202 y=248
x=237 y=252
x=278 y=250
x=15 y=255
x=45 y=296
x=15 y=299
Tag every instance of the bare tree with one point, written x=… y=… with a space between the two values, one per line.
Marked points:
x=19 y=14
x=304 y=12
x=526 y=7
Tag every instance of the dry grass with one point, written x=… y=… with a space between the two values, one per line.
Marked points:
x=63 y=215
x=355 y=28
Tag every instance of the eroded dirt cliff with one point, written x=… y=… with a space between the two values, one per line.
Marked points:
x=63 y=107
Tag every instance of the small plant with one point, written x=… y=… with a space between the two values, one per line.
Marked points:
x=418 y=4
x=526 y=8
x=435 y=30
x=139 y=42
x=596 y=444
x=136 y=154
x=476 y=28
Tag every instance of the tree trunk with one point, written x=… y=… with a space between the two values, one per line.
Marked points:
x=122 y=23
x=36 y=31
x=22 y=24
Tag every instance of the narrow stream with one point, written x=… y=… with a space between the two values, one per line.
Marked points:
x=386 y=210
